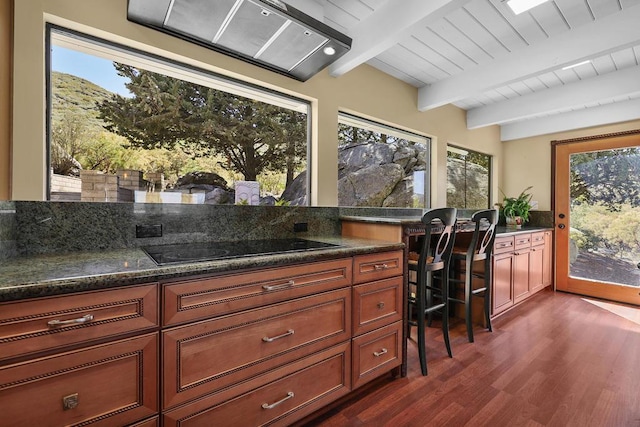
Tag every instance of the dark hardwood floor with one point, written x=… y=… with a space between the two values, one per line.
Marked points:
x=556 y=360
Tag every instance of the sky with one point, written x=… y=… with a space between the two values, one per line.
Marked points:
x=96 y=70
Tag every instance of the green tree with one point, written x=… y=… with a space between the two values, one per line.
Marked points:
x=165 y=112
x=610 y=177
x=70 y=137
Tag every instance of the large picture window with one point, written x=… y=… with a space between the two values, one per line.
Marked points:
x=381 y=166
x=468 y=179
x=129 y=126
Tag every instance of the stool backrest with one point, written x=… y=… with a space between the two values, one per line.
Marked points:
x=484 y=247
x=441 y=252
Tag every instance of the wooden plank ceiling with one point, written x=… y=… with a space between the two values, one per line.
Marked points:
x=502 y=68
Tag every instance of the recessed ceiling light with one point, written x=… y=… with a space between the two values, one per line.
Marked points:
x=576 y=65
x=519 y=6
x=329 y=51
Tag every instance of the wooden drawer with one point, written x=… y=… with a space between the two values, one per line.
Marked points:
x=217 y=353
x=376 y=352
x=537 y=239
x=31 y=326
x=522 y=241
x=110 y=384
x=376 y=304
x=367 y=268
x=205 y=298
x=302 y=387
x=503 y=244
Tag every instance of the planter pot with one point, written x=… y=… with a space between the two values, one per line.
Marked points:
x=514 y=222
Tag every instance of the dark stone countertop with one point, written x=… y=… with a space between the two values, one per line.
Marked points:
x=416 y=220
x=502 y=230
x=48 y=275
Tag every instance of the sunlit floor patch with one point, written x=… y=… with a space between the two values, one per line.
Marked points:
x=626 y=311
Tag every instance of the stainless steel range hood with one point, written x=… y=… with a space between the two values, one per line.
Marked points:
x=268 y=33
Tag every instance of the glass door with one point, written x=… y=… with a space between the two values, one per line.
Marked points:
x=597 y=209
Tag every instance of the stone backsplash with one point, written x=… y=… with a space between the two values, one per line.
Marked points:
x=29 y=228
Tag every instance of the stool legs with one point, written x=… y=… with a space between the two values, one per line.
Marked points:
x=468 y=284
x=487 y=292
x=425 y=307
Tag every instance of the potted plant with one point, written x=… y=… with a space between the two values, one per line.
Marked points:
x=516 y=209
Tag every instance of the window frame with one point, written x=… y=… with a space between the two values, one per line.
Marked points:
x=415 y=137
x=180 y=70
x=456 y=149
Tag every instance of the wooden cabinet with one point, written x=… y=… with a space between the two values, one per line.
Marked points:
x=265 y=346
x=274 y=345
x=502 y=292
x=521 y=273
x=521 y=267
x=378 y=307
x=62 y=377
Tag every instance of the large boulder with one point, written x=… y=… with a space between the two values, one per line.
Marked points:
x=296 y=192
x=369 y=186
x=471 y=176
x=402 y=195
x=219 y=196
x=201 y=180
x=355 y=157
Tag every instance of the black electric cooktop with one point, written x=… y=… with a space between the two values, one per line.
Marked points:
x=211 y=251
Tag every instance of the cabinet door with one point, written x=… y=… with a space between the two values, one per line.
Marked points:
x=375 y=353
x=521 y=275
x=547 y=262
x=113 y=384
x=502 y=293
x=376 y=304
x=536 y=269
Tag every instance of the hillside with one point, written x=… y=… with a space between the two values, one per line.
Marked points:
x=76 y=95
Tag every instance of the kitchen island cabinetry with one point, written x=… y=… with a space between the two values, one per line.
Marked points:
x=522 y=259
x=521 y=268
x=88 y=358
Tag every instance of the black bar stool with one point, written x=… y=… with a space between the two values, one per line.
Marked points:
x=432 y=258
x=478 y=250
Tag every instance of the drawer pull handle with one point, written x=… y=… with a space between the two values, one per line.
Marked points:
x=380 y=353
x=70 y=401
x=273 y=405
x=84 y=319
x=380 y=266
x=289 y=284
x=286 y=334
x=380 y=305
